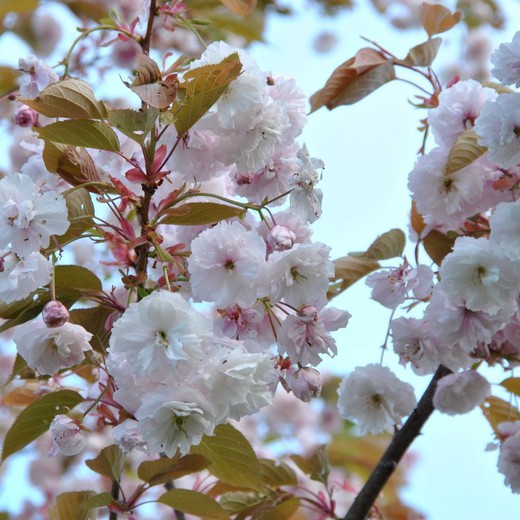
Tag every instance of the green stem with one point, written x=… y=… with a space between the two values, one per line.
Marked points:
x=66 y=61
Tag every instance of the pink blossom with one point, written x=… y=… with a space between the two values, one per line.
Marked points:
x=460 y=393
x=68 y=437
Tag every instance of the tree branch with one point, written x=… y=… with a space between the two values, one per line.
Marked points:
x=395 y=451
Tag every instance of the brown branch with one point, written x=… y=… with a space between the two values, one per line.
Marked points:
x=145 y=44
x=395 y=451
x=115 y=495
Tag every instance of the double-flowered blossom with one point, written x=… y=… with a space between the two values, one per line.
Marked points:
x=509 y=458
x=19 y=277
x=305 y=337
x=459 y=107
x=498 y=128
x=460 y=393
x=67 y=435
x=375 y=398
x=479 y=276
x=227 y=265
x=178 y=378
x=48 y=350
x=28 y=217
x=37 y=75
x=506 y=62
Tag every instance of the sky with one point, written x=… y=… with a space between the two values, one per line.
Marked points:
x=368 y=150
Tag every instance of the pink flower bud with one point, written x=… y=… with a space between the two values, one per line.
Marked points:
x=281 y=238
x=25 y=116
x=305 y=383
x=55 y=314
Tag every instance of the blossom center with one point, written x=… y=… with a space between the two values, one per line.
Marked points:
x=161 y=339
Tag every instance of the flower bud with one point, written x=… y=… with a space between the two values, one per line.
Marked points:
x=55 y=314
x=305 y=383
x=25 y=116
x=281 y=238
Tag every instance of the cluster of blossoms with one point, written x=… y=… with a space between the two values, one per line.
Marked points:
x=472 y=312
x=259 y=286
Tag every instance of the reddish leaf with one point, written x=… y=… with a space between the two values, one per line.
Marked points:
x=240 y=7
x=354 y=80
x=437 y=19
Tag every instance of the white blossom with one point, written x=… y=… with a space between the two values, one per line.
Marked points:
x=37 y=75
x=227 y=265
x=375 y=398
x=27 y=217
x=243 y=93
x=509 y=462
x=459 y=106
x=506 y=62
x=68 y=437
x=460 y=393
x=305 y=197
x=301 y=274
x=155 y=333
x=477 y=275
x=49 y=350
x=174 y=418
x=505 y=228
x=498 y=128
x=19 y=277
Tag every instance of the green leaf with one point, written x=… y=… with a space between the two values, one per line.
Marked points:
x=388 y=245
x=204 y=86
x=100 y=500
x=194 y=503
x=80 y=214
x=282 y=511
x=71 y=163
x=241 y=502
x=276 y=475
x=200 y=213
x=163 y=470
x=464 y=151
x=93 y=320
x=422 y=55
x=35 y=420
x=316 y=466
x=438 y=245
x=81 y=132
x=234 y=460
x=109 y=462
x=18 y=366
x=497 y=411
x=134 y=124
x=8 y=79
x=348 y=270
x=512 y=384
x=76 y=277
x=17 y=6
x=354 y=79
x=69 y=506
x=71 y=98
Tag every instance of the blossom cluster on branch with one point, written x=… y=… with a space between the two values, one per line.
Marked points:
x=159 y=280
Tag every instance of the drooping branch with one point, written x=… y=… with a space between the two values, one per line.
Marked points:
x=395 y=451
